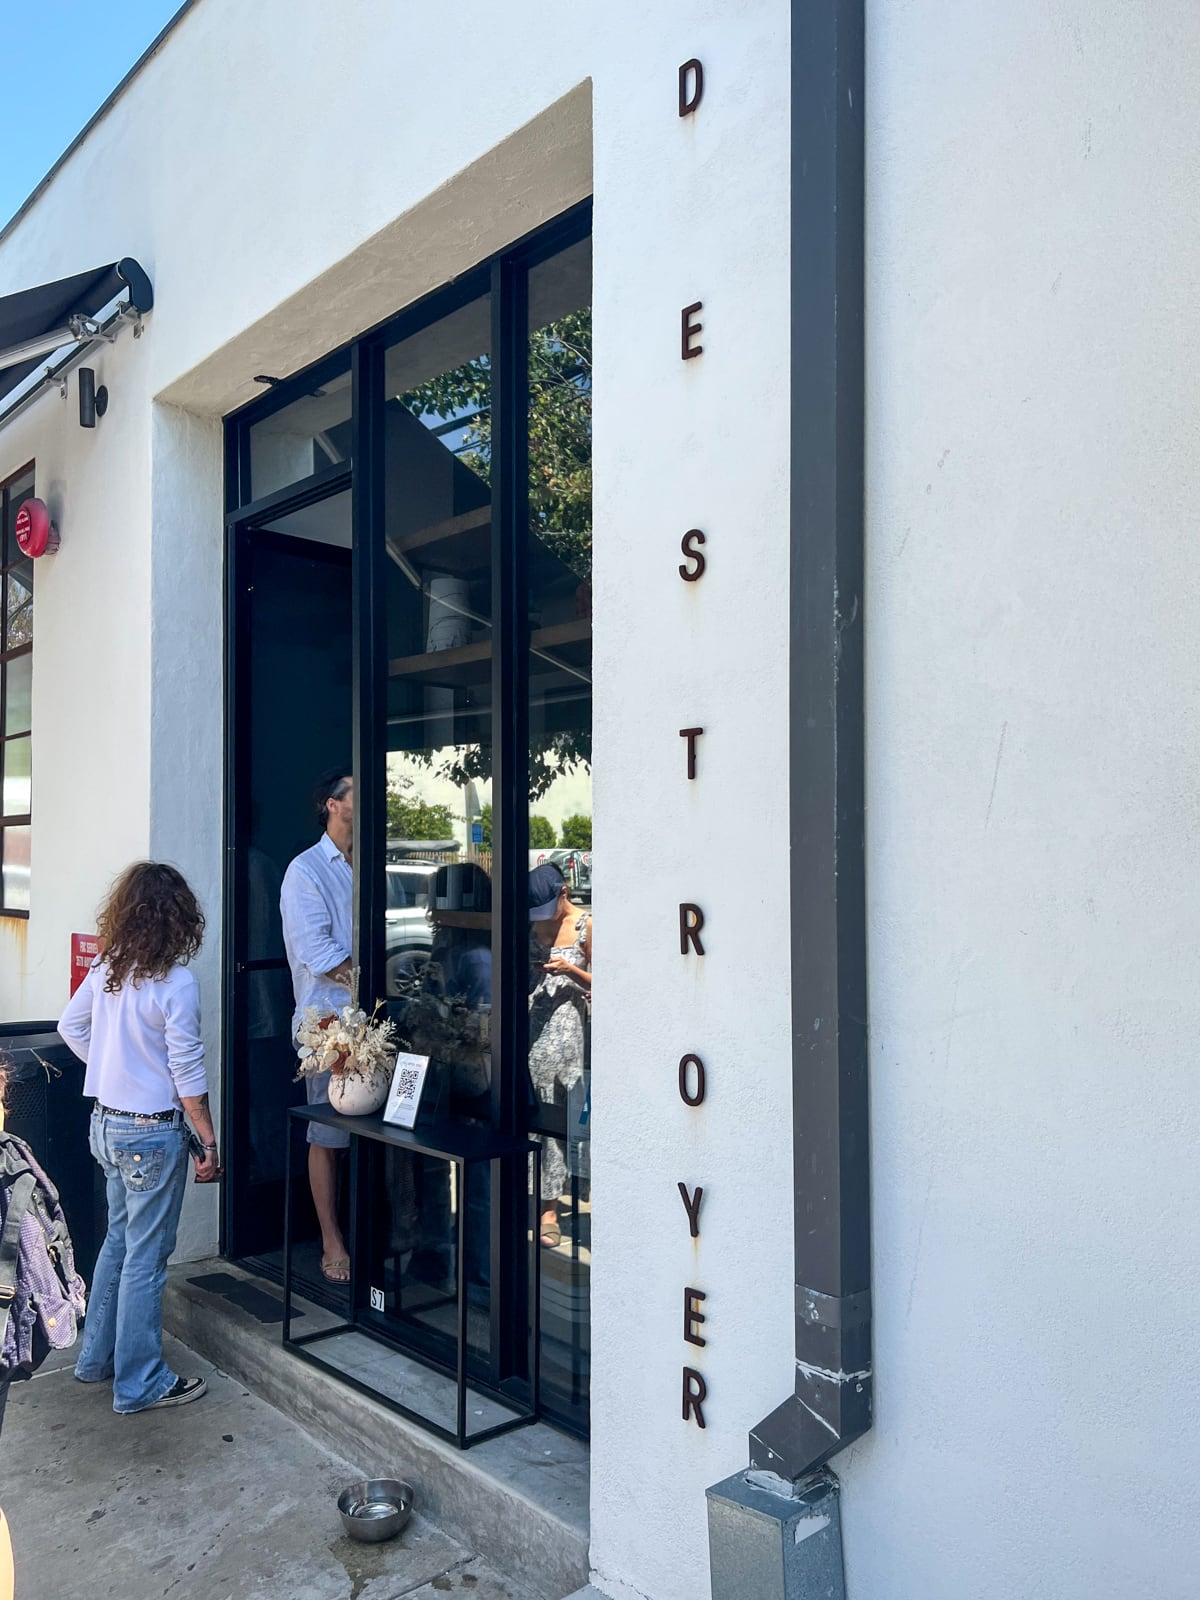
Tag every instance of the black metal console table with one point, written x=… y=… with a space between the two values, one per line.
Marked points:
x=463 y=1147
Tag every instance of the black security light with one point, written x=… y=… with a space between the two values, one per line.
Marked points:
x=93 y=402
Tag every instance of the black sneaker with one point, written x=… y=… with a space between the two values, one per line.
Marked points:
x=180 y=1392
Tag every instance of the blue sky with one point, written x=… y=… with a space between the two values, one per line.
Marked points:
x=62 y=59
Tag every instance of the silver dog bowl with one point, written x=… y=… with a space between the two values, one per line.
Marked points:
x=375 y=1509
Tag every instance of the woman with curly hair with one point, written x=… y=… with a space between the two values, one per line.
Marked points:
x=135 y=1021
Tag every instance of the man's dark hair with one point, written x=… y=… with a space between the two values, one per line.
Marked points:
x=331 y=785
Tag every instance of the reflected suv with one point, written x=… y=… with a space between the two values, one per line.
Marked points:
x=407 y=936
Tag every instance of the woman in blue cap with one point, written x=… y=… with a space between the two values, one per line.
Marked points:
x=560 y=982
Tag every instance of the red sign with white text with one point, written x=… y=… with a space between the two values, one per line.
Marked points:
x=85 y=947
x=36 y=534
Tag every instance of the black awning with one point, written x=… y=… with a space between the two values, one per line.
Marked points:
x=38 y=314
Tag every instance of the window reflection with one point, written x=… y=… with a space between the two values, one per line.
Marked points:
x=560 y=806
x=437 y=894
x=308 y=436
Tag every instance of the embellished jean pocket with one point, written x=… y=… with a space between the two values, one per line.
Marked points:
x=140 y=1166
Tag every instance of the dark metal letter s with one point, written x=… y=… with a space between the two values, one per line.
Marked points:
x=690 y=539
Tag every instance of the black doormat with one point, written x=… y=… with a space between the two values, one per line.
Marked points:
x=263 y=1307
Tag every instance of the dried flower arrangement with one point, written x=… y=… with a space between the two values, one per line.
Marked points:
x=348 y=1043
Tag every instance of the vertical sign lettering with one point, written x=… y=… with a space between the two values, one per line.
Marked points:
x=691 y=87
x=689 y=331
x=687 y=544
x=690 y=1096
x=691 y=735
x=691 y=922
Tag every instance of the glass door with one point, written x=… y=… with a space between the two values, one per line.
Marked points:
x=291 y=712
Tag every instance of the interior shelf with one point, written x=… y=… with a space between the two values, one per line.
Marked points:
x=458 y=668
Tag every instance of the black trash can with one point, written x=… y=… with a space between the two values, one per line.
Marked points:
x=45 y=1107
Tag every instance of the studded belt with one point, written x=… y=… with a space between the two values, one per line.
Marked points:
x=144 y=1116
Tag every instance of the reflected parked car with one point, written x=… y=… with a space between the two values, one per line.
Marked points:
x=575 y=866
x=408 y=937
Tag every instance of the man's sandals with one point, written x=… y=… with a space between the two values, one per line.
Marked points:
x=336 y=1269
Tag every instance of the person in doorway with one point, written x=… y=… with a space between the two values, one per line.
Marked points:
x=135 y=1022
x=316 y=904
x=560 y=982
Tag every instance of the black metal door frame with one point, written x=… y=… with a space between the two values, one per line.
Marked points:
x=506 y=279
x=244 y=535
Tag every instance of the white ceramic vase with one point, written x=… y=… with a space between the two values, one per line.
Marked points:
x=356 y=1096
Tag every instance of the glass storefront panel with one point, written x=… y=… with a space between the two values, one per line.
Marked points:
x=16 y=868
x=310 y=435
x=18 y=605
x=560 y=802
x=438 y=739
x=423 y=548
x=18 y=766
x=16 y=495
x=18 y=693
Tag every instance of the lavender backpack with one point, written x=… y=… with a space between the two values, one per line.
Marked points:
x=41 y=1294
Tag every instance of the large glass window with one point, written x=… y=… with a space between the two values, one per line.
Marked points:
x=437 y=532
x=448 y=460
x=310 y=434
x=16 y=702
x=560 y=801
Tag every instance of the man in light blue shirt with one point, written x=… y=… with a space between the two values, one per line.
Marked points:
x=317 y=908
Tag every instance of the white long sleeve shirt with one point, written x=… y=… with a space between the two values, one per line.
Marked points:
x=142 y=1045
x=317 y=909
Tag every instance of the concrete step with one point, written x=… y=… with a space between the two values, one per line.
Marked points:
x=520 y=1500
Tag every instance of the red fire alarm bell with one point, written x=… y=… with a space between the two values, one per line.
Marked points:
x=36 y=534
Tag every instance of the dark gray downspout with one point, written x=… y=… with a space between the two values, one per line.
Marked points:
x=831 y=1405
x=831 y=1402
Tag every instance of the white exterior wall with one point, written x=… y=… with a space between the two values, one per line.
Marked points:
x=91 y=663
x=1032 y=618
x=712 y=454
x=1031 y=681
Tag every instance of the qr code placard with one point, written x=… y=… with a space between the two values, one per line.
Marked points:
x=404 y=1098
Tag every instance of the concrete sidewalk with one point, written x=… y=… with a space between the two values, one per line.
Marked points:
x=224 y=1499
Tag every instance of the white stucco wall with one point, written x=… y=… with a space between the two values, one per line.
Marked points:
x=1032 y=618
x=91 y=668
x=709 y=208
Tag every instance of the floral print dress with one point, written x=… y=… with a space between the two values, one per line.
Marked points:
x=558 y=1023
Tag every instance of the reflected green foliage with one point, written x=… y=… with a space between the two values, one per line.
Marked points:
x=408 y=818
x=560 y=431
x=541 y=834
x=577 y=832
x=560 y=493
x=18 y=606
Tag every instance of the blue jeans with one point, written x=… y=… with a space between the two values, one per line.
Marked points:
x=145 y=1164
